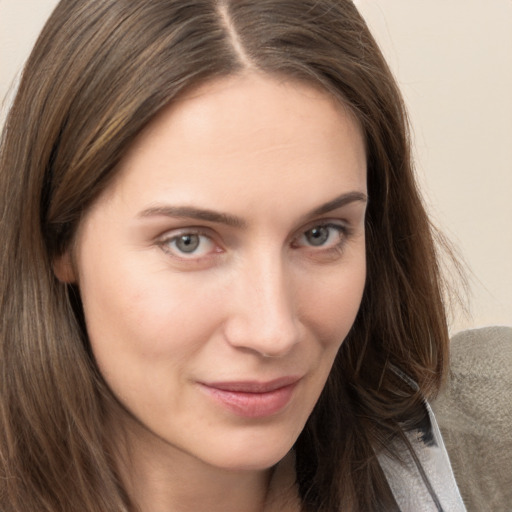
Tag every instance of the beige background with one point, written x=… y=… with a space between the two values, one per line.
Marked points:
x=453 y=60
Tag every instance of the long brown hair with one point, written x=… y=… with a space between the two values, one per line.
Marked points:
x=99 y=72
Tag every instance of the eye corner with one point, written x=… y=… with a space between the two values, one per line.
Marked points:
x=332 y=246
x=321 y=232
x=189 y=245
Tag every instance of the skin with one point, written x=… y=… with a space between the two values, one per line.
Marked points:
x=256 y=299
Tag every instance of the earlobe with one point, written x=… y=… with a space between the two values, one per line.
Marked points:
x=64 y=269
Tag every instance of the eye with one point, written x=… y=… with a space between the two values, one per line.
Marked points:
x=323 y=236
x=189 y=244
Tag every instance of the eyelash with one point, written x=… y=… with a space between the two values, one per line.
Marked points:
x=342 y=231
x=165 y=242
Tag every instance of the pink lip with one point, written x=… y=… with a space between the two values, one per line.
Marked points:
x=253 y=399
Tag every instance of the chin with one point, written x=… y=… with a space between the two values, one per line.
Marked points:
x=251 y=462
x=252 y=455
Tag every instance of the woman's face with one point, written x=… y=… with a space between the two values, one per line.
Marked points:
x=222 y=269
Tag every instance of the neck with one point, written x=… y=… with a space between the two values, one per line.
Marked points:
x=159 y=488
x=159 y=477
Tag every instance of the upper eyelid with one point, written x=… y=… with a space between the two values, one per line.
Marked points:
x=207 y=231
x=166 y=240
x=344 y=230
x=210 y=233
x=327 y=222
x=171 y=234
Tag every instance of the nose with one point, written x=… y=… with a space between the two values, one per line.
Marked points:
x=263 y=317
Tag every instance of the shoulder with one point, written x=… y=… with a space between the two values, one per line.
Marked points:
x=479 y=384
x=478 y=351
x=474 y=412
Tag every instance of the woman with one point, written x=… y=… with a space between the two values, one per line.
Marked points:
x=220 y=288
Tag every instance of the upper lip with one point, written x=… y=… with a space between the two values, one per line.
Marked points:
x=253 y=386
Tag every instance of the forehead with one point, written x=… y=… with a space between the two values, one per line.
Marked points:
x=251 y=137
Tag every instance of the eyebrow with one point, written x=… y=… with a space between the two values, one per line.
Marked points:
x=188 y=212
x=338 y=202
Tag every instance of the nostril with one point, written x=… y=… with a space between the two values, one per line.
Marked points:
x=263 y=311
x=269 y=339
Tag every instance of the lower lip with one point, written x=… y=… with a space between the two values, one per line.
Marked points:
x=253 y=405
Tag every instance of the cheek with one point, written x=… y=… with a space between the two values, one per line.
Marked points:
x=146 y=337
x=330 y=302
x=144 y=319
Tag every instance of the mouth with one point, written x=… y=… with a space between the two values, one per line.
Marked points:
x=252 y=399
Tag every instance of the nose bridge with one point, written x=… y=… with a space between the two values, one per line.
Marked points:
x=264 y=318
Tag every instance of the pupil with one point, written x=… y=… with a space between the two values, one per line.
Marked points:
x=318 y=236
x=187 y=243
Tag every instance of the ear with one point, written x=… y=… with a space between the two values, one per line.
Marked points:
x=64 y=269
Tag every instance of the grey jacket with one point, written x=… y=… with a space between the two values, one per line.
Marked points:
x=474 y=413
